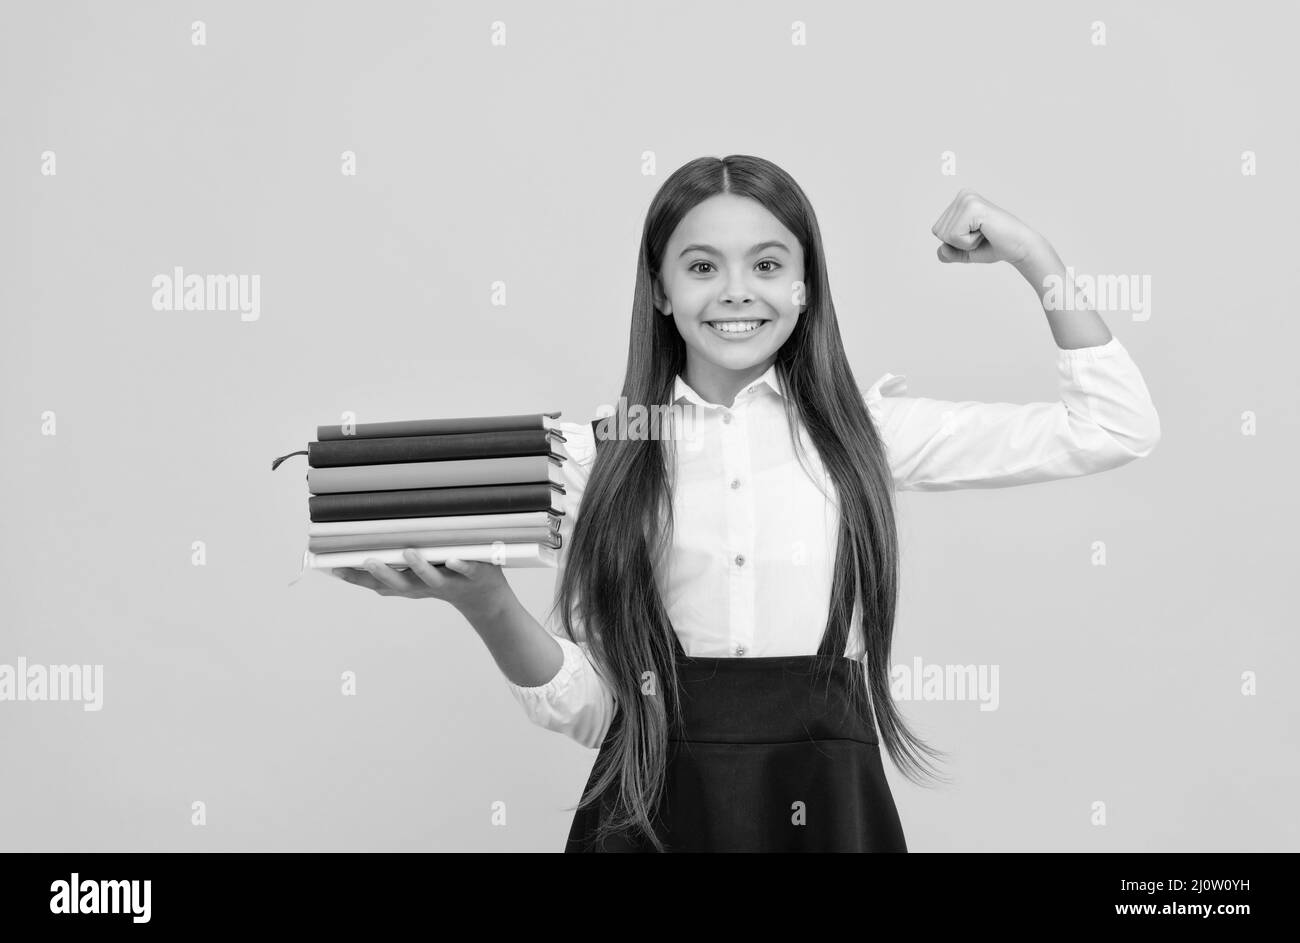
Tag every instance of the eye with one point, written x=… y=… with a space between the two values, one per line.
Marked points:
x=772 y=262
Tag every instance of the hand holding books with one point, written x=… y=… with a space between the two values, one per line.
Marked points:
x=472 y=587
x=485 y=489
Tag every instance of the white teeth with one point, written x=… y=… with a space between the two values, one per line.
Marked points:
x=736 y=327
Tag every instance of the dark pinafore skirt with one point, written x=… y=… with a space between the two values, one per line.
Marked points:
x=766 y=757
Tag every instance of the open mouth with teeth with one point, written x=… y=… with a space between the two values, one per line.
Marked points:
x=737 y=329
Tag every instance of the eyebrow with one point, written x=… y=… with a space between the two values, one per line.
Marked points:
x=700 y=247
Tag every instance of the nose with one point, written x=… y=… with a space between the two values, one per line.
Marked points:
x=737 y=294
x=736 y=290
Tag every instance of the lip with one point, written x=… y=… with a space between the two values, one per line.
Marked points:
x=717 y=332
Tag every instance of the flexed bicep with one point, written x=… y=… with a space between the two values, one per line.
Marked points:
x=1102 y=419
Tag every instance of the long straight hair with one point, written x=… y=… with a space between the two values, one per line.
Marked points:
x=625 y=524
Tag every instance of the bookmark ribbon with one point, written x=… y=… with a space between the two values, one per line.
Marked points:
x=276 y=464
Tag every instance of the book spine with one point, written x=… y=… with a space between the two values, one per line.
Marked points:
x=428 y=448
x=379 y=430
x=432 y=502
x=549 y=519
x=447 y=474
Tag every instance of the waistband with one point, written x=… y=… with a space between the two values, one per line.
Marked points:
x=776 y=699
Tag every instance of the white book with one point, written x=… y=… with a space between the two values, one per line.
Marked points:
x=531 y=555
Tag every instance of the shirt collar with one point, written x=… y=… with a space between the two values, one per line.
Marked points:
x=682 y=392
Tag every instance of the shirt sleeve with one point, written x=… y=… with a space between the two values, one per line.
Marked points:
x=1104 y=419
x=576 y=702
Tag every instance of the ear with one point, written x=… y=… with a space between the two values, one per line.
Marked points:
x=661 y=301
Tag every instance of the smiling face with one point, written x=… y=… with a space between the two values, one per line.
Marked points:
x=728 y=279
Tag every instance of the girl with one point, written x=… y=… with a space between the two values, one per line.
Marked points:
x=727 y=607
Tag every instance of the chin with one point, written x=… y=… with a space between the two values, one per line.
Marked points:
x=740 y=360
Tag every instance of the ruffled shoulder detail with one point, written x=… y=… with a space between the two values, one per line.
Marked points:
x=889 y=384
x=579 y=442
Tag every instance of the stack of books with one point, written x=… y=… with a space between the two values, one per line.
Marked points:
x=487 y=488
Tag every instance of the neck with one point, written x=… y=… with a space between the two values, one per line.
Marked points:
x=720 y=385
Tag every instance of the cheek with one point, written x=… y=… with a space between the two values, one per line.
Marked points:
x=788 y=299
x=788 y=324
x=689 y=301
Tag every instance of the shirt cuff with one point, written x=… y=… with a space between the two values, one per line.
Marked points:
x=575 y=702
x=1111 y=348
x=551 y=691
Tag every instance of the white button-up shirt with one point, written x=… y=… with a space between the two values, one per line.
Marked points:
x=750 y=569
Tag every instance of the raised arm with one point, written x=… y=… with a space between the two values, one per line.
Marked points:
x=1103 y=417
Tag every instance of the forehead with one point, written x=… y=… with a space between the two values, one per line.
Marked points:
x=731 y=223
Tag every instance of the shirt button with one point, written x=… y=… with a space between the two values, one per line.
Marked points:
x=726 y=417
x=740 y=559
x=735 y=483
x=740 y=649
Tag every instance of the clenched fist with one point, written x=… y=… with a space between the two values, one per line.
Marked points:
x=972 y=229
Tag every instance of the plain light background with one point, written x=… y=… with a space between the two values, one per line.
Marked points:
x=523 y=163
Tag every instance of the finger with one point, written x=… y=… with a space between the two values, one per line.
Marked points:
x=940 y=227
x=965 y=241
x=463 y=567
x=947 y=220
x=997 y=225
x=387 y=576
x=984 y=252
x=965 y=220
x=425 y=571
x=358 y=577
x=947 y=253
x=467 y=568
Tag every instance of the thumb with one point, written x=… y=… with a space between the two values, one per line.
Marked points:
x=948 y=253
x=983 y=252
